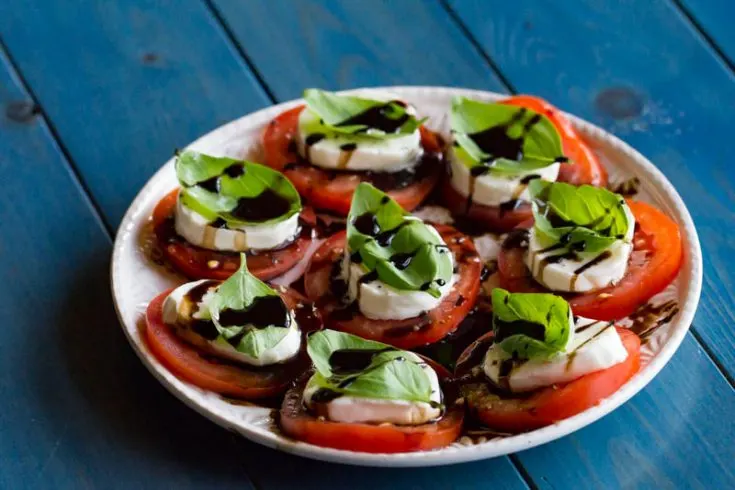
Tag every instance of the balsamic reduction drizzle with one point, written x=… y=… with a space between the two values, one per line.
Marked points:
x=497 y=143
x=380 y=117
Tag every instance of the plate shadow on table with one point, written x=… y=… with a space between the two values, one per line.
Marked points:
x=101 y=404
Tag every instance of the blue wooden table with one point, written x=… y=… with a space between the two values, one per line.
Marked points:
x=95 y=95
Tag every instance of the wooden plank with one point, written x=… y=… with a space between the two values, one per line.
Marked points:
x=125 y=83
x=335 y=45
x=273 y=469
x=637 y=69
x=79 y=410
x=662 y=91
x=714 y=17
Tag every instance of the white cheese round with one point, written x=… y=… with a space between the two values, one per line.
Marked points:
x=379 y=301
x=493 y=189
x=177 y=312
x=196 y=229
x=351 y=409
x=386 y=155
x=594 y=346
x=574 y=274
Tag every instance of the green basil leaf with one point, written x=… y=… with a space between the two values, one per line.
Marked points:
x=413 y=259
x=530 y=325
x=588 y=215
x=391 y=374
x=237 y=293
x=540 y=141
x=334 y=110
x=249 y=181
x=254 y=342
x=258 y=340
x=193 y=167
x=323 y=343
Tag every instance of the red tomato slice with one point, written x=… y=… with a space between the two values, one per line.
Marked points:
x=492 y=218
x=405 y=334
x=332 y=190
x=657 y=242
x=298 y=423
x=224 y=376
x=586 y=168
x=548 y=405
x=201 y=263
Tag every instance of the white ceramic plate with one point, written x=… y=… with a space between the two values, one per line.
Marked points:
x=136 y=280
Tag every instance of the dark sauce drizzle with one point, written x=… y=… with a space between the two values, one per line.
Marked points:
x=263 y=312
x=496 y=142
x=266 y=205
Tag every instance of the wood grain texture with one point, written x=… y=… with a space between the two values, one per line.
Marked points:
x=656 y=90
x=661 y=90
x=348 y=44
x=714 y=17
x=272 y=469
x=125 y=83
x=79 y=410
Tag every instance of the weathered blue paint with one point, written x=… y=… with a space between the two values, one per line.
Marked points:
x=124 y=84
x=79 y=410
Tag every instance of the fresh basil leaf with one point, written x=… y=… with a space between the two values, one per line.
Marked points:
x=391 y=373
x=235 y=180
x=237 y=293
x=209 y=204
x=258 y=340
x=255 y=341
x=585 y=218
x=530 y=325
x=404 y=251
x=193 y=167
x=538 y=139
x=334 y=110
x=323 y=343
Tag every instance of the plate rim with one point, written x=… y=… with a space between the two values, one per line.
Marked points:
x=494 y=448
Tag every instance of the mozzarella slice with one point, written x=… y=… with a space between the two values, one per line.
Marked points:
x=491 y=189
x=379 y=301
x=580 y=272
x=335 y=151
x=351 y=409
x=594 y=346
x=197 y=230
x=180 y=313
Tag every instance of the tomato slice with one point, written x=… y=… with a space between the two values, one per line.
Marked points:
x=547 y=405
x=201 y=263
x=332 y=190
x=298 y=423
x=492 y=218
x=224 y=376
x=586 y=168
x=408 y=333
x=656 y=259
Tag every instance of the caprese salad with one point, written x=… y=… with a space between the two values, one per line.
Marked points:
x=577 y=258
x=498 y=148
x=541 y=364
x=240 y=338
x=334 y=142
x=605 y=254
x=391 y=277
x=371 y=397
x=225 y=207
